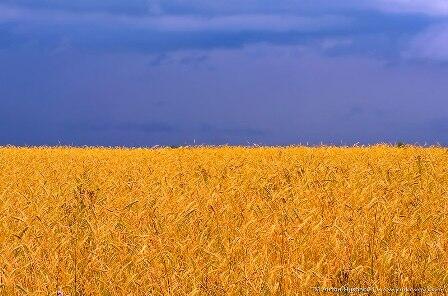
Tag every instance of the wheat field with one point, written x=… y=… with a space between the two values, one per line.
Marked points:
x=221 y=221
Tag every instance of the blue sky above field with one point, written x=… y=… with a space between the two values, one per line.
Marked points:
x=175 y=72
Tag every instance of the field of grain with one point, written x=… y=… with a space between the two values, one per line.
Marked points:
x=221 y=221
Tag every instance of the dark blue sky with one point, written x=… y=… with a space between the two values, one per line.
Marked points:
x=174 y=72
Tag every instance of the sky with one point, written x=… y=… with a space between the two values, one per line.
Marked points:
x=255 y=72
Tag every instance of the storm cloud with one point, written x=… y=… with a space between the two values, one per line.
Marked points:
x=143 y=73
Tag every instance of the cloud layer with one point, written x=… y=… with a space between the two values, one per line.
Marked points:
x=431 y=7
x=430 y=45
x=89 y=27
x=174 y=72
x=177 y=23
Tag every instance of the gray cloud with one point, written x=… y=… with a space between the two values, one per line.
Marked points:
x=98 y=31
x=131 y=7
x=431 y=7
x=47 y=30
x=177 y=23
x=260 y=94
x=231 y=7
x=430 y=45
x=171 y=72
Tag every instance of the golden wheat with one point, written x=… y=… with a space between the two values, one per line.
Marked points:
x=221 y=221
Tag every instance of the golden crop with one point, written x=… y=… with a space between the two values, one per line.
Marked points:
x=220 y=221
